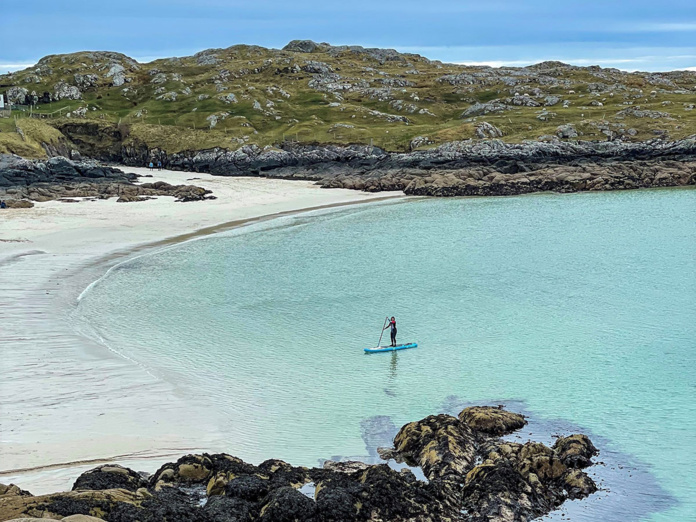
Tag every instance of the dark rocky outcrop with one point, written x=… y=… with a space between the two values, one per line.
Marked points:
x=110 y=476
x=23 y=181
x=463 y=168
x=472 y=475
x=467 y=168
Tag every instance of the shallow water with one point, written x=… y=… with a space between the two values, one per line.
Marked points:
x=577 y=308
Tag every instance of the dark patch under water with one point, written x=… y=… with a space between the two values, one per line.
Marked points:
x=628 y=490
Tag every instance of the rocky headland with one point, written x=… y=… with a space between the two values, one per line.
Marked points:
x=465 y=168
x=24 y=181
x=472 y=475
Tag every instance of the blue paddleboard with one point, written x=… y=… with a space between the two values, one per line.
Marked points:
x=380 y=349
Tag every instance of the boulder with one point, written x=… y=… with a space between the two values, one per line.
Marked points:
x=16 y=95
x=480 y=109
x=86 y=81
x=117 y=73
x=490 y=420
x=63 y=91
x=247 y=487
x=110 y=476
x=286 y=504
x=578 y=484
x=575 y=451
x=485 y=130
x=12 y=490
x=314 y=67
x=566 y=131
x=440 y=444
x=190 y=469
x=523 y=100
x=226 y=509
x=228 y=98
x=301 y=46
x=419 y=141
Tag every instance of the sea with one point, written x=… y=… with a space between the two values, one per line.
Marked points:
x=577 y=310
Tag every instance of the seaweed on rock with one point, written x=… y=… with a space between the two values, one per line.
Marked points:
x=473 y=475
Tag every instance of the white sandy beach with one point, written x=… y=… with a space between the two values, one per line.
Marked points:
x=67 y=403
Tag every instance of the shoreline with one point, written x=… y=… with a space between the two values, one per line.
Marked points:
x=95 y=404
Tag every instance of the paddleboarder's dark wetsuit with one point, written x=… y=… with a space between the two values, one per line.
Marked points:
x=392 y=323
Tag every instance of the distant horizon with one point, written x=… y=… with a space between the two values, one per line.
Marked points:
x=640 y=35
x=579 y=62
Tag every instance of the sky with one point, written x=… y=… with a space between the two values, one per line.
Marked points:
x=644 y=35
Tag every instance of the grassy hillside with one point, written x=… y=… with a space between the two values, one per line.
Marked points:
x=320 y=93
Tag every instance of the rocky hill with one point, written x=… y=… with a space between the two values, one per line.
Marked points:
x=319 y=93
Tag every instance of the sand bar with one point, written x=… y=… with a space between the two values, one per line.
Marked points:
x=68 y=403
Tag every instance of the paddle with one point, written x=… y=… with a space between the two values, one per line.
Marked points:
x=384 y=327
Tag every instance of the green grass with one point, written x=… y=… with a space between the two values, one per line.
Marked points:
x=35 y=133
x=307 y=115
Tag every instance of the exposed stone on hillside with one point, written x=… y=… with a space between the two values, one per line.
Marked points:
x=302 y=46
x=479 y=109
x=485 y=130
x=307 y=76
x=638 y=113
x=117 y=73
x=63 y=91
x=566 y=131
x=86 y=81
x=315 y=67
x=17 y=94
x=228 y=98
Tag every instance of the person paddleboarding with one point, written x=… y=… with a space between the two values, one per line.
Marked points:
x=389 y=324
x=392 y=325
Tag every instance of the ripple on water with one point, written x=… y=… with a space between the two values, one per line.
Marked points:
x=579 y=305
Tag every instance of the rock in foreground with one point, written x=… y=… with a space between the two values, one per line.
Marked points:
x=473 y=475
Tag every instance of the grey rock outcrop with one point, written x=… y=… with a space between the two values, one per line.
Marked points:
x=228 y=98
x=302 y=46
x=86 y=81
x=17 y=94
x=168 y=96
x=315 y=67
x=480 y=109
x=63 y=91
x=487 y=167
x=566 y=131
x=523 y=100
x=117 y=73
x=486 y=130
x=638 y=113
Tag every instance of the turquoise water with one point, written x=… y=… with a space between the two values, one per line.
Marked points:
x=575 y=307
